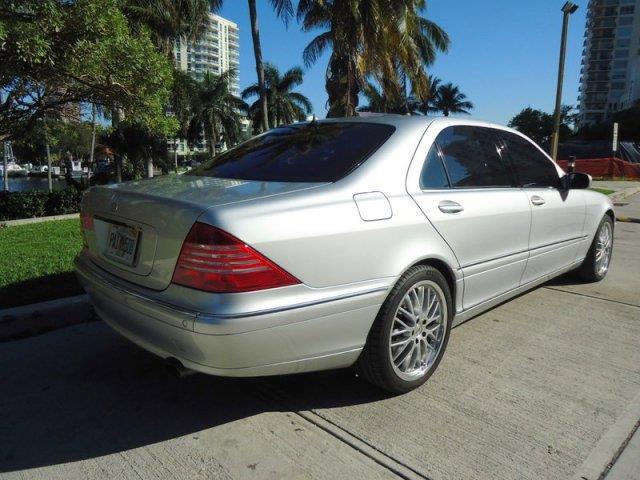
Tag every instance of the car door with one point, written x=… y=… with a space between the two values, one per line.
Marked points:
x=558 y=215
x=467 y=192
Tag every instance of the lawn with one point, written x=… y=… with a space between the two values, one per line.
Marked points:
x=606 y=191
x=36 y=262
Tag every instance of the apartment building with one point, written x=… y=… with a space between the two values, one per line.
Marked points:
x=610 y=73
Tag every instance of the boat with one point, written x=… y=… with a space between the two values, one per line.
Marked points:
x=13 y=170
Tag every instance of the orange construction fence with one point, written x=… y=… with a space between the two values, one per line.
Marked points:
x=605 y=167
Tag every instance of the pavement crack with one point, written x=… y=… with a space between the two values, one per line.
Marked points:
x=393 y=465
x=592 y=296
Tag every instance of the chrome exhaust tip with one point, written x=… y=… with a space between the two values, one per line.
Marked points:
x=175 y=368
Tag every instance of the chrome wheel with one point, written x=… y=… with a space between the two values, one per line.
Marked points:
x=603 y=249
x=418 y=330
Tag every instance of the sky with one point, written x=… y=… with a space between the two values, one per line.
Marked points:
x=503 y=53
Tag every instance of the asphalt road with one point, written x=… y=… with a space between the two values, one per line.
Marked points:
x=544 y=386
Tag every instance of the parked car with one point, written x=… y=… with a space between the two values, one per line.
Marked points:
x=332 y=243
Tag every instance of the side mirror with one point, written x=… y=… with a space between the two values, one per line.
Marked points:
x=575 y=181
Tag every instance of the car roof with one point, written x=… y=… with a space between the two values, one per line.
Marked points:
x=416 y=121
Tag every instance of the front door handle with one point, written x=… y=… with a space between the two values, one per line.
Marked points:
x=449 y=206
x=538 y=201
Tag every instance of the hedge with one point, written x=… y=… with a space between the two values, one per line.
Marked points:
x=17 y=205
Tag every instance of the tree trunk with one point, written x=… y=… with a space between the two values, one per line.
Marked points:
x=118 y=161
x=257 y=50
x=149 y=167
x=93 y=133
x=5 y=172
x=175 y=157
x=46 y=141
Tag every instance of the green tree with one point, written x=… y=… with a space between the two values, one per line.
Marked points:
x=426 y=106
x=449 y=99
x=538 y=125
x=379 y=102
x=384 y=38
x=284 y=105
x=171 y=19
x=55 y=52
x=216 y=112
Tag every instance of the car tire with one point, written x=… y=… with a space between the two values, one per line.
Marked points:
x=594 y=267
x=405 y=345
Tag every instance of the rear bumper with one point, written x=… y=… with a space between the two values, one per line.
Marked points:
x=290 y=339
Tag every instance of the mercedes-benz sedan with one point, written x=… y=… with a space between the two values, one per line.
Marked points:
x=332 y=243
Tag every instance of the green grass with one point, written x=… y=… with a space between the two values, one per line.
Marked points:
x=36 y=262
x=606 y=191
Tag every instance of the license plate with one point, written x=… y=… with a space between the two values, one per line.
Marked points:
x=121 y=244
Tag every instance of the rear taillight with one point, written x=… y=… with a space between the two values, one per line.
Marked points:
x=86 y=223
x=214 y=261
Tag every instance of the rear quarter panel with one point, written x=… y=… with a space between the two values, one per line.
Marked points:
x=319 y=236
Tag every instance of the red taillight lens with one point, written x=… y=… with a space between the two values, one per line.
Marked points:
x=86 y=221
x=214 y=261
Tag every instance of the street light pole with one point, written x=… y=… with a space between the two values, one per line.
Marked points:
x=567 y=10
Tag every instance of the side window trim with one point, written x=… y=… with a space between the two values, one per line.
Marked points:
x=503 y=153
x=440 y=156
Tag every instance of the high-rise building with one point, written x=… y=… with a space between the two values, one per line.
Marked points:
x=218 y=51
x=610 y=74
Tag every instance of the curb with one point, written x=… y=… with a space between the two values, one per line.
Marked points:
x=609 y=447
x=26 y=221
x=29 y=320
x=624 y=193
x=624 y=219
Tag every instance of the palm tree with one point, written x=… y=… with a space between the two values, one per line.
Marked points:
x=284 y=10
x=382 y=38
x=425 y=106
x=283 y=105
x=380 y=102
x=171 y=19
x=449 y=99
x=216 y=111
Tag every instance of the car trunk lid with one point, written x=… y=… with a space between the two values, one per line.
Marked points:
x=153 y=217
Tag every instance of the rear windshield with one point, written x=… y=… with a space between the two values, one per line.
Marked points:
x=310 y=152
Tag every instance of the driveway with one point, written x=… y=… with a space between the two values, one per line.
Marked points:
x=544 y=386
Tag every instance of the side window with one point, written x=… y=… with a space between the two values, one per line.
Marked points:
x=532 y=167
x=471 y=157
x=433 y=175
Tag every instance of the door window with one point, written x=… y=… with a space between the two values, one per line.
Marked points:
x=433 y=175
x=472 y=158
x=532 y=167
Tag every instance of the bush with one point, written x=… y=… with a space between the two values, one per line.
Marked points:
x=17 y=205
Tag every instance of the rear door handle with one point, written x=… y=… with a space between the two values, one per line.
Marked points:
x=449 y=206
x=536 y=200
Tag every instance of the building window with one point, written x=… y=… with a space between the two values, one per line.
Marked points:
x=625 y=21
x=620 y=64
x=624 y=32
x=627 y=10
x=617 y=85
x=622 y=53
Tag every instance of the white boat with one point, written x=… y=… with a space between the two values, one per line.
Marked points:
x=13 y=170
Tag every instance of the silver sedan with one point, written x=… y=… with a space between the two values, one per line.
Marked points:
x=336 y=243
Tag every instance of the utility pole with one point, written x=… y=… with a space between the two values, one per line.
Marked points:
x=567 y=10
